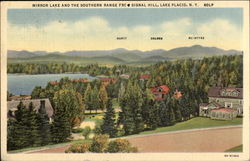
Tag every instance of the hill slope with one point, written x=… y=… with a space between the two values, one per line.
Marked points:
x=117 y=56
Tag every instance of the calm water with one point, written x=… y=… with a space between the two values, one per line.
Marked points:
x=24 y=84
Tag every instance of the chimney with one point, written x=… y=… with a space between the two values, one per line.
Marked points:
x=42 y=103
x=42 y=107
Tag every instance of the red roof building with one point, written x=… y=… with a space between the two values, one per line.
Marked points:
x=160 y=91
x=228 y=110
x=106 y=80
x=144 y=76
x=223 y=113
x=177 y=94
x=80 y=80
x=54 y=82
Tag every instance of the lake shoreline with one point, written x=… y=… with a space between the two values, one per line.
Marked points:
x=23 y=84
x=44 y=73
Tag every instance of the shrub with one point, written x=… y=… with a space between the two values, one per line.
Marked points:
x=100 y=143
x=120 y=132
x=98 y=129
x=78 y=130
x=86 y=131
x=78 y=148
x=76 y=121
x=120 y=145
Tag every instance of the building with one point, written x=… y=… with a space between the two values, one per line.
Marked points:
x=124 y=76
x=19 y=97
x=54 y=82
x=177 y=94
x=223 y=98
x=160 y=91
x=206 y=108
x=223 y=114
x=12 y=106
x=82 y=80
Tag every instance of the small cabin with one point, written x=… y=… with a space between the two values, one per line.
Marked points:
x=160 y=91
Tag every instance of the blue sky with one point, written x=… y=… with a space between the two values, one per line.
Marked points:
x=98 y=29
x=129 y=17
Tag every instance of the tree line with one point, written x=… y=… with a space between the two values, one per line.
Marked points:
x=54 y=68
x=193 y=78
x=29 y=128
x=139 y=110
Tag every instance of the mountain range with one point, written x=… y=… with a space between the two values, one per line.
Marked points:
x=117 y=56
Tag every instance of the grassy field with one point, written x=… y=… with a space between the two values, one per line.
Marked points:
x=235 y=149
x=197 y=122
x=50 y=146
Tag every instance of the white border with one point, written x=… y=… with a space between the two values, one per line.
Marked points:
x=136 y=156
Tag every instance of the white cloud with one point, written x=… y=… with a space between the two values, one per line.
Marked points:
x=98 y=33
x=222 y=33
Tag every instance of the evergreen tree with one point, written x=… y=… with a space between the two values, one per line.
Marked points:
x=150 y=110
x=95 y=98
x=22 y=132
x=109 y=125
x=103 y=97
x=88 y=98
x=171 y=116
x=131 y=105
x=34 y=134
x=121 y=92
x=164 y=120
x=44 y=125
x=61 y=126
x=136 y=105
x=36 y=92
x=67 y=108
x=176 y=107
x=12 y=134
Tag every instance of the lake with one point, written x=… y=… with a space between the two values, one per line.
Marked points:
x=22 y=84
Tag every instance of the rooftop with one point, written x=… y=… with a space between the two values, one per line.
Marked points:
x=225 y=92
x=12 y=105
x=227 y=110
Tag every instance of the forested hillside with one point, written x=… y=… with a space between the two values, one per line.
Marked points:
x=139 y=110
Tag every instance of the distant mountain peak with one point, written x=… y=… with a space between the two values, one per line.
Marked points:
x=194 y=51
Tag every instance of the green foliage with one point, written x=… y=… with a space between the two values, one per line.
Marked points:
x=95 y=98
x=109 y=125
x=88 y=98
x=100 y=143
x=69 y=102
x=150 y=110
x=103 y=97
x=44 y=125
x=28 y=128
x=36 y=127
x=38 y=92
x=120 y=146
x=78 y=148
x=131 y=105
x=86 y=131
x=12 y=135
x=164 y=119
x=77 y=130
x=60 y=127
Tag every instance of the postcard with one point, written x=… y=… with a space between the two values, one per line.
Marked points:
x=125 y=80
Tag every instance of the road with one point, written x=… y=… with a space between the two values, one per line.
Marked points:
x=203 y=140
x=216 y=139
